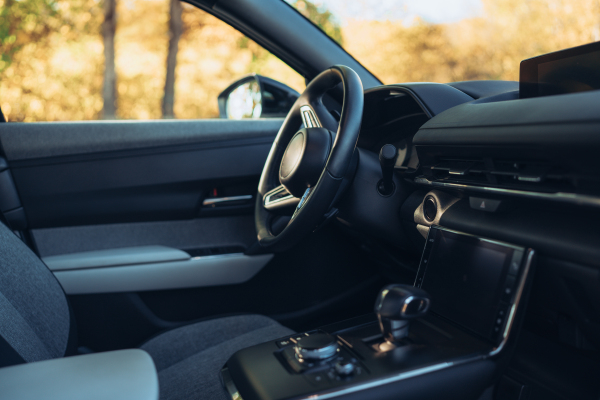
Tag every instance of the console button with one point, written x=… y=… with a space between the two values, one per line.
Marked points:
x=419 y=281
x=515 y=263
x=509 y=289
x=489 y=205
x=344 y=368
x=335 y=375
x=501 y=317
x=283 y=343
x=289 y=355
x=297 y=338
x=497 y=329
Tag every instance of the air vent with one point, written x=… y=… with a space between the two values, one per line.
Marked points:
x=513 y=174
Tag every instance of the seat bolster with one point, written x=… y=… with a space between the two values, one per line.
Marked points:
x=34 y=312
x=178 y=344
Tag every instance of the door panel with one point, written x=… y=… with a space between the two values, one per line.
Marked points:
x=211 y=232
x=219 y=270
x=109 y=187
x=86 y=173
x=42 y=140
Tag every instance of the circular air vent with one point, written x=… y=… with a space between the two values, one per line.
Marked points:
x=430 y=208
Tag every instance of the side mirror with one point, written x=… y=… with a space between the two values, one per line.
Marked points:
x=256 y=96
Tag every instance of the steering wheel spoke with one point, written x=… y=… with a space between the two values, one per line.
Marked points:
x=302 y=201
x=280 y=201
x=309 y=117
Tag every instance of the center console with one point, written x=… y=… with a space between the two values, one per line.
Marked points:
x=117 y=375
x=444 y=336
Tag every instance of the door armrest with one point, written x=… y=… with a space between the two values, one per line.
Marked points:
x=115 y=258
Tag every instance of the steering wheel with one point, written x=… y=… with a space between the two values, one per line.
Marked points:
x=305 y=168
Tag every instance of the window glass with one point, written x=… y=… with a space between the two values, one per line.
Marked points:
x=452 y=40
x=53 y=64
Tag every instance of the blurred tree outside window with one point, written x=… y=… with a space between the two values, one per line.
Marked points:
x=452 y=40
x=109 y=82
x=171 y=60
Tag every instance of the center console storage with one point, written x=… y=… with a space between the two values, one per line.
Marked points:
x=446 y=336
x=116 y=375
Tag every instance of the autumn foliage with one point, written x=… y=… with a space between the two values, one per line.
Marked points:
x=487 y=47
x=51 y=63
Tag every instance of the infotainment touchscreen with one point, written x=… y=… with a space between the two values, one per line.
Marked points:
x=472 y=281
x=562 y=72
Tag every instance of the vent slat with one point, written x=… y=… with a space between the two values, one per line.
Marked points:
x=514 y=174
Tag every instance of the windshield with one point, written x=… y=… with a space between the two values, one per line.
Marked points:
x=452 y=40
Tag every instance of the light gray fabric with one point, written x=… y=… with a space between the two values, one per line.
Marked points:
x=34 y=314
x=184 y=234
x=115 y=258
x=189 y=359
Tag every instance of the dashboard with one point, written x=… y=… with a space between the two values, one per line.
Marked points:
x=476 y=158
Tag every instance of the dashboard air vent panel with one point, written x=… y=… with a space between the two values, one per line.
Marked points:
x=513 y=174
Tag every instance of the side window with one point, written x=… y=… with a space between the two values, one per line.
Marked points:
x=67 y=60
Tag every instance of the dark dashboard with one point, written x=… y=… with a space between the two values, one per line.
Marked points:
x=394 y=113
x=525 y=171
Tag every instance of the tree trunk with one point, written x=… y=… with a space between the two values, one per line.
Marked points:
x=109 y=90
x=175 y=31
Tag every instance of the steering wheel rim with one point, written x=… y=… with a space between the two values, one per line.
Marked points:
x=309 y=109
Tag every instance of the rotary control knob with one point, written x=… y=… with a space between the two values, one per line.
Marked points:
x=344 y=368
x=320 y=346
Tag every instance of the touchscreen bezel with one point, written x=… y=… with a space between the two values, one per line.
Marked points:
x=528 y=75
x=525 y=260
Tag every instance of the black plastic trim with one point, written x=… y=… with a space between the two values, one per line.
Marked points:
x=43 y=140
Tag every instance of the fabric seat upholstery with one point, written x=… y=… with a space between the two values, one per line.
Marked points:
x=34 y=313
x=189 y=359
x=36 y=325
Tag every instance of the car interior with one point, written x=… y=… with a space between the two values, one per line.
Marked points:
x=353 y=241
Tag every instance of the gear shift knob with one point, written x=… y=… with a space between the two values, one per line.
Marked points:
x=396 y=305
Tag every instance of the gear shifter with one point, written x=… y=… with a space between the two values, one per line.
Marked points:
x=396 y=305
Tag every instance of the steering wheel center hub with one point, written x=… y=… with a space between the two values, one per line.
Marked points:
x=304 y=159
